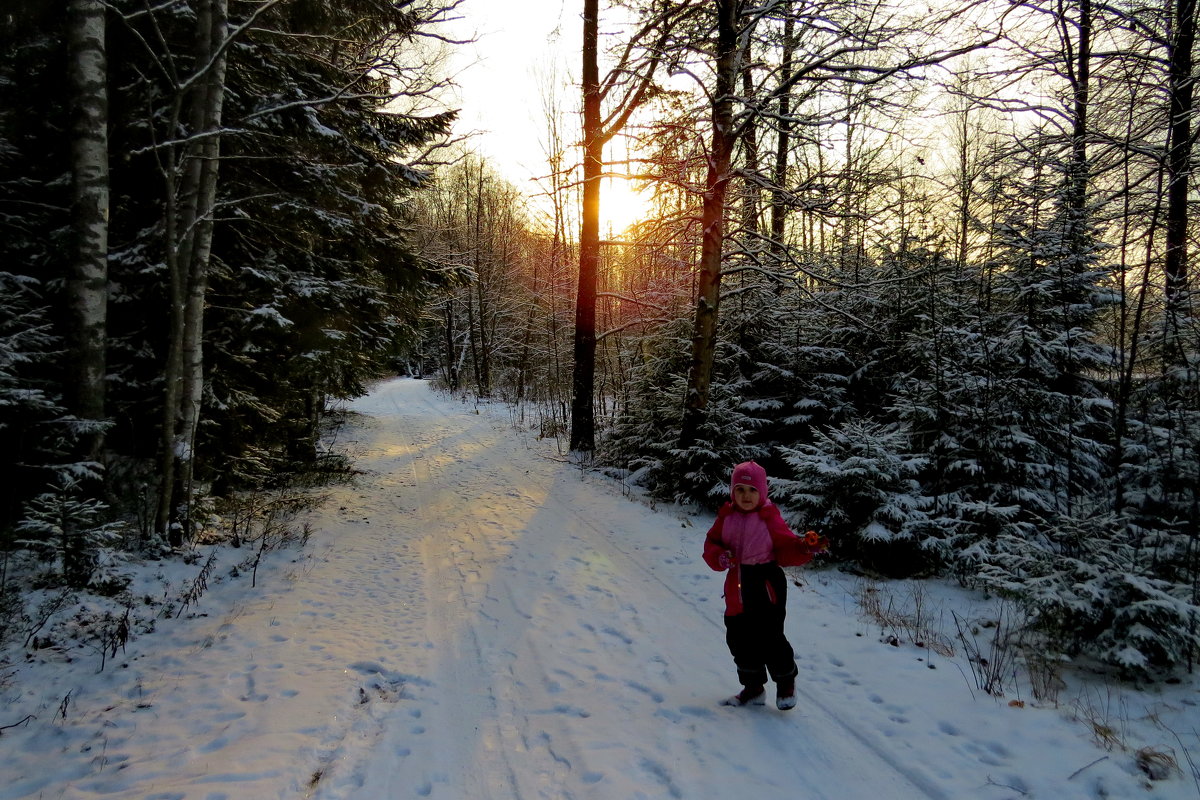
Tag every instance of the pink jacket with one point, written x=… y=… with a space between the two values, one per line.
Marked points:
x=787 y=548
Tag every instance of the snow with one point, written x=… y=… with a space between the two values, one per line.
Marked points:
x=475 y=617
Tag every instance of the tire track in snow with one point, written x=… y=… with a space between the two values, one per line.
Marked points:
x=872 y=743
x=465 y=609
x=541 y=715
x=604 y=534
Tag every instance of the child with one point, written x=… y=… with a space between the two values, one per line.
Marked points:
x=751 y=541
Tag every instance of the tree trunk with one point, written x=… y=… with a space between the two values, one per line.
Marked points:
x=1179 y=155
x=173 y=367
x=704 y=329
x=583 y=421
x=849 y=250
x=783 y=142
x=483 y=378
x=190 y=242
x=213 y=100
x=1077 y=211
x=965 y=187
x=595 y=135
x=751 y=182
x=473 y=340
x=1081 y=91
x=451 y=364
x=87 y=286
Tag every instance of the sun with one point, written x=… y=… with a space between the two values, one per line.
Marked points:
x=621 y=205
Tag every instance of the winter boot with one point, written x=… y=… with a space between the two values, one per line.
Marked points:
x=785 y=694
x=749 y=695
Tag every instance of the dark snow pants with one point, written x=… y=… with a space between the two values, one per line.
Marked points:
x=755 y=637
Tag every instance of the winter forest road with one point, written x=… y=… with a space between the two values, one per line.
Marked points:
x=549 y=638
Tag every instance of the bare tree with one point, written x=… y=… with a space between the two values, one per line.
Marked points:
x=1181 y=99
x=852 y=51
x=712 y=220
x=583 y=415
x=779 y=205
x=626 y=87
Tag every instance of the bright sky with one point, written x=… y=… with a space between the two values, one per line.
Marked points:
x=499 y=77
x=520 y=49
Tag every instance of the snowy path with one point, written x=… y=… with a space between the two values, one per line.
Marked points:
x=474 y=619
x=551 y=661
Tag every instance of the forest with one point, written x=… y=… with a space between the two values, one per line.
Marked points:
x=928 y=265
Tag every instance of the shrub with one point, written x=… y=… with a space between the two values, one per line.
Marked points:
x=855 y=484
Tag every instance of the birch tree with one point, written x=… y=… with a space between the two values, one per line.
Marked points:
x=87 y=287
x=191 y=178
x=53 y=189
x=276 y=243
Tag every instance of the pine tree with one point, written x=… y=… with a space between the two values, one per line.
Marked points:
x=857 y=485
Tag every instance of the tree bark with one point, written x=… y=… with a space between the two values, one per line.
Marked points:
x=1077 y=210
x=451 y=363
x=583 y=422
x=483 y=356
x=1081 y=94
x=190 y=243
x=87 y=286
x=1179 y=154
x=213 y=99
x=751 y=181
x=783 y=141
x=597 y=130
x=704 y=329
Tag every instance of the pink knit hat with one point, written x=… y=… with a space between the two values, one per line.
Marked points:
x=750 y=474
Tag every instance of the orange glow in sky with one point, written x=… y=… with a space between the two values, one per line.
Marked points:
x=501 y=79
x=621 y=205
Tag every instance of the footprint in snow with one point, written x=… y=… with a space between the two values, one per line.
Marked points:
x=646 y=690
x=697 y=711
x=618 y=634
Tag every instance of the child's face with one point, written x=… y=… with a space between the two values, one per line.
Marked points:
x=745 y=497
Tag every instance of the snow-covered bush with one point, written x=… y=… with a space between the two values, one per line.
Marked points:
x=975 y=533
x=68 y=529
x=648 y=435
x=644 y=437
x=37 y=436
x=1153 y=625
x=855 y=484
x=1090 y=588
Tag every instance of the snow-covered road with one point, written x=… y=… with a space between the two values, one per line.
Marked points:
x=562 y=641
x=474 y=618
